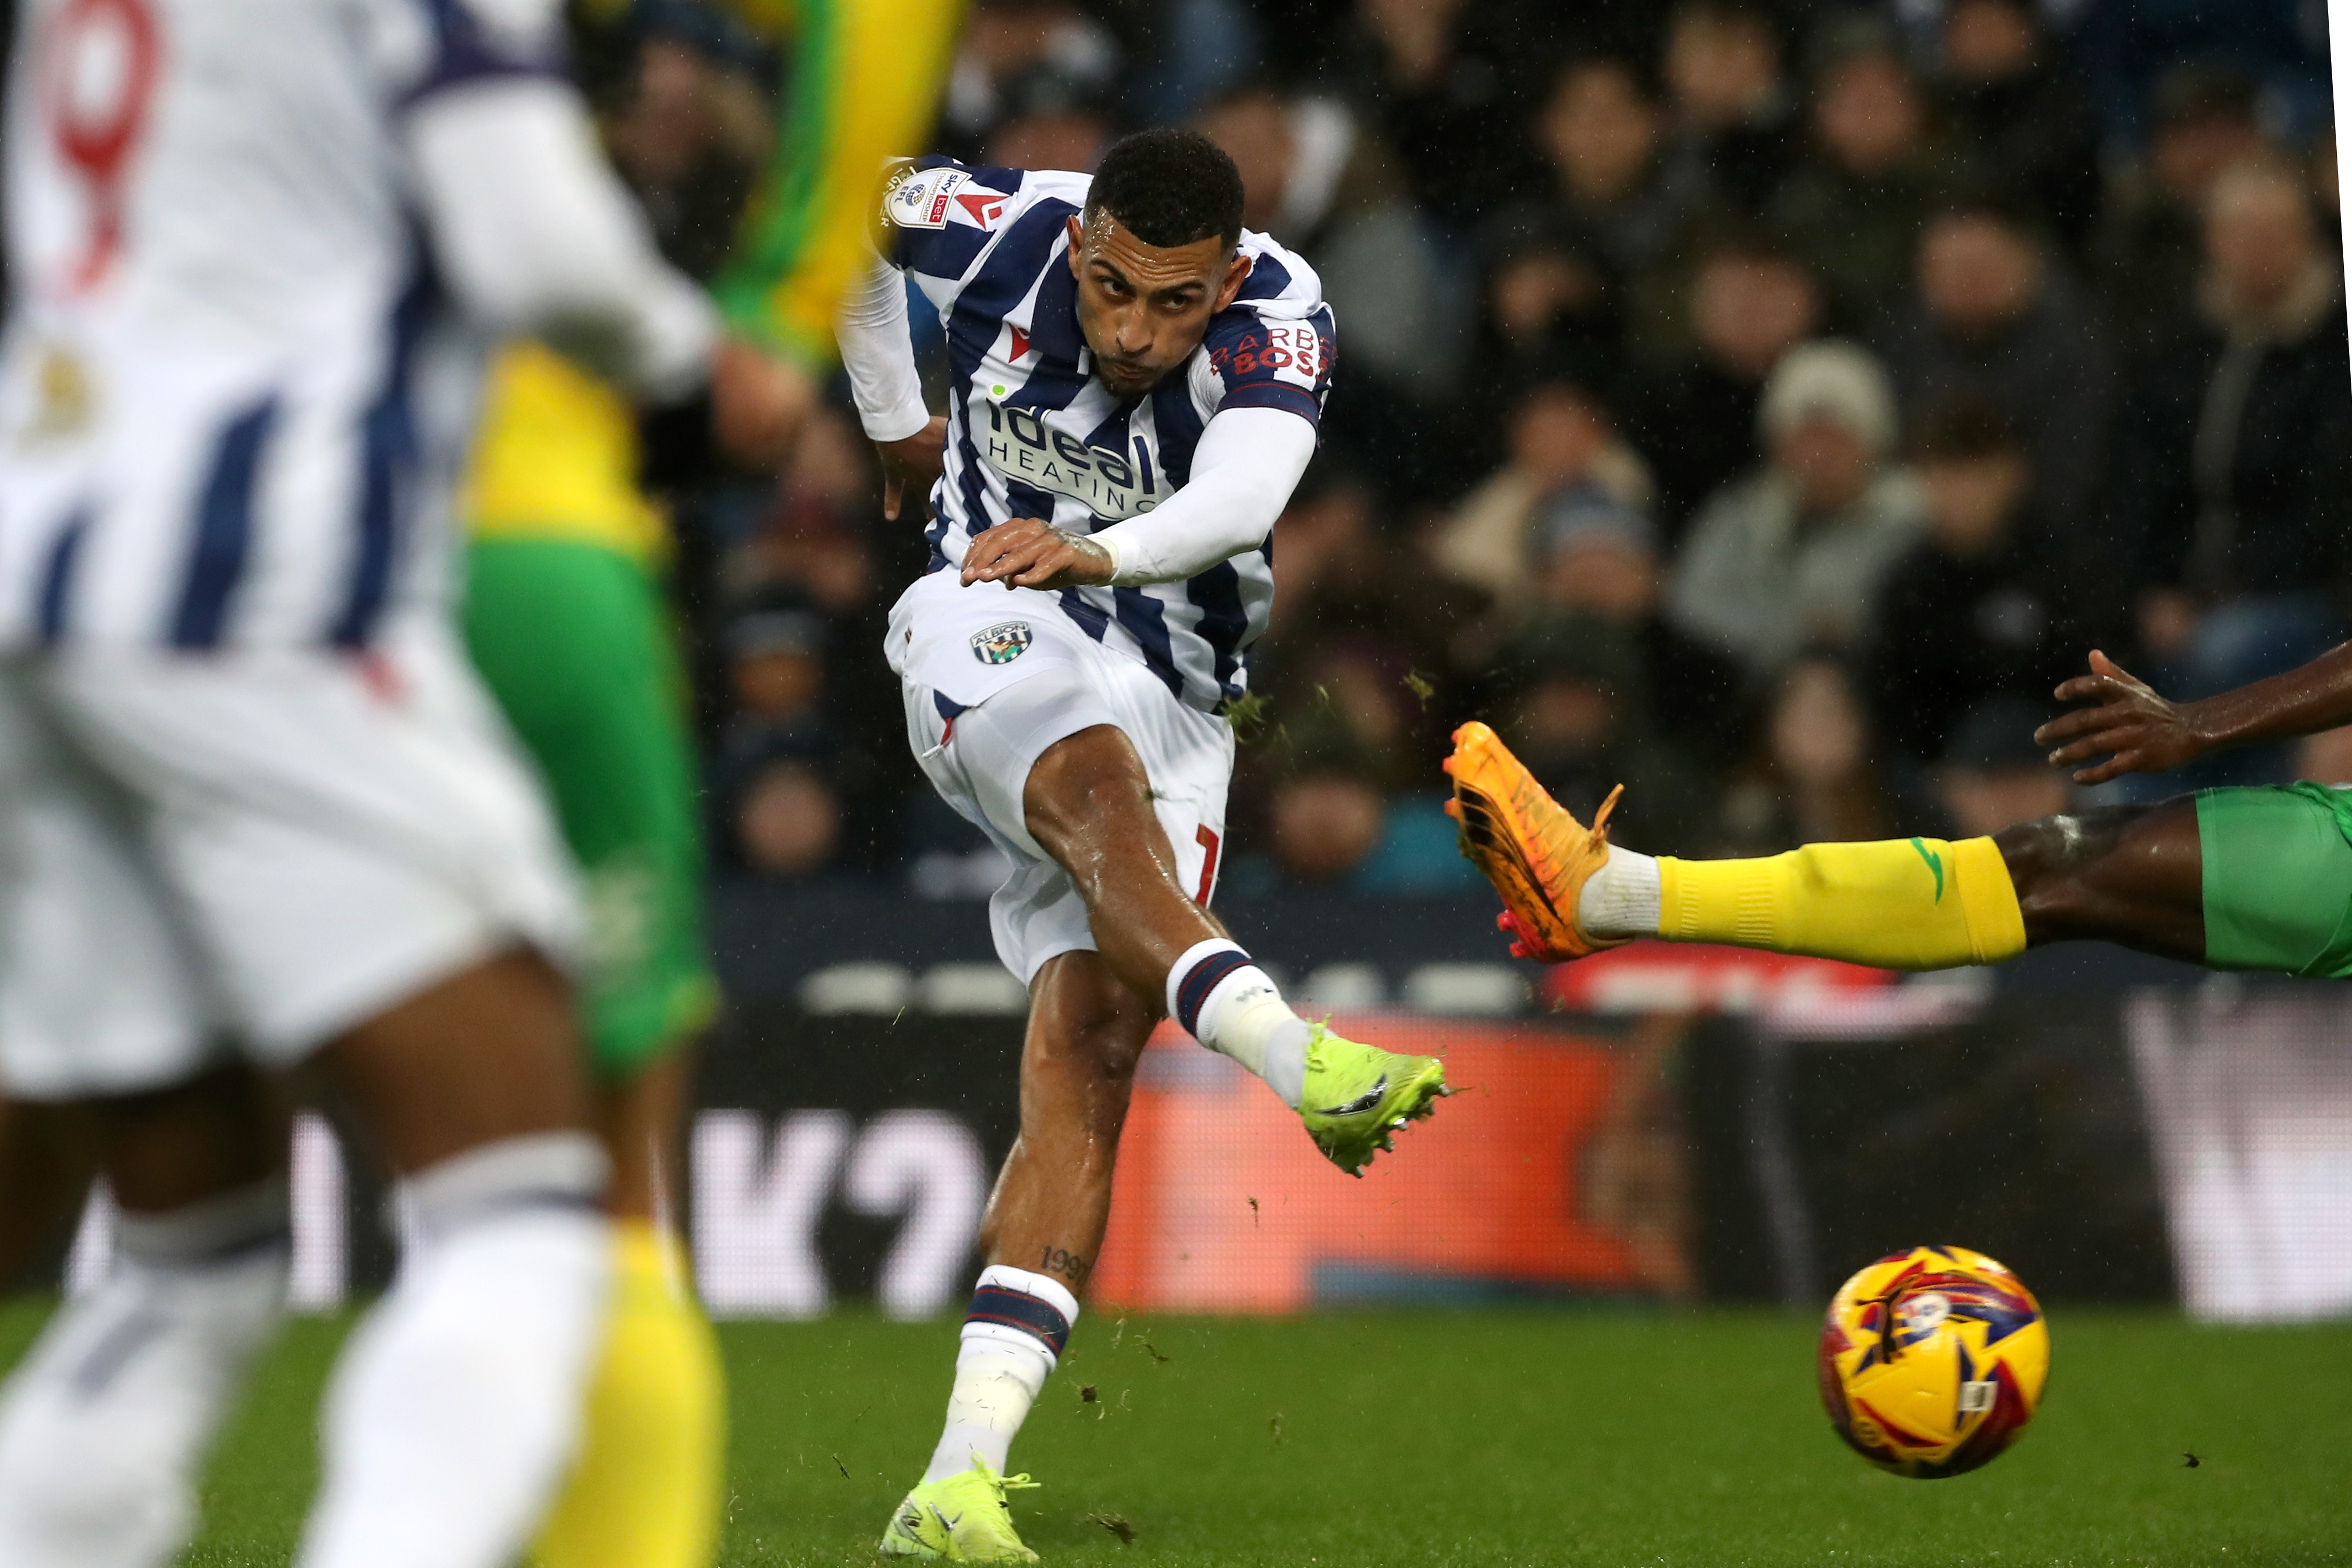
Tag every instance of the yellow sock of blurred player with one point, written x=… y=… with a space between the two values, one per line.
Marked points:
x=646 y=1491
x=1899 y=904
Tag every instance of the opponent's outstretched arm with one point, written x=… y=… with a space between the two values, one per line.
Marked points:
x=2138 y=731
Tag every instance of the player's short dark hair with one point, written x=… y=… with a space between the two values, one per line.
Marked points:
x=1169 y=187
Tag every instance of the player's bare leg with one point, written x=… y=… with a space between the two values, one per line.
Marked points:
x=1045 y=1224
x=2129 y=874
x=1088 y=802
x=1052 y=1203
x=48 y=1154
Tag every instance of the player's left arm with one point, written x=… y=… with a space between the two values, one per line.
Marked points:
x=2138 y=731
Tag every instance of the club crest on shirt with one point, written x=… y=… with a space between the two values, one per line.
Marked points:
x=1002 y=642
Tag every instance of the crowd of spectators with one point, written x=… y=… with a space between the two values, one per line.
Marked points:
x=1759 y=404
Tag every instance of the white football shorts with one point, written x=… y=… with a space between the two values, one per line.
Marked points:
x=990 y=679
x=250 y=853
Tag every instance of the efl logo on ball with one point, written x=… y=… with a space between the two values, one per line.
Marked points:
x=1002 y=642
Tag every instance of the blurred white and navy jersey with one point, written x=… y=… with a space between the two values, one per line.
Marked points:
x=1032 y=432
x=230 y=405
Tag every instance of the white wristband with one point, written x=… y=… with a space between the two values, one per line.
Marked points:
x=909 y=418
x=1110 y=546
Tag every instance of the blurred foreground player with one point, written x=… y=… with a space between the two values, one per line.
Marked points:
x=567 y=620
x=2245 y=878
x=1136 y=390
x=255 y=812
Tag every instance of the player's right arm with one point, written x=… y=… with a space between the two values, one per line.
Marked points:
x=2138 y=731
x=877 y=348
x=535 y=236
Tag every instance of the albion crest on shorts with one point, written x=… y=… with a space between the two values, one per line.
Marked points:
x=1001 y=643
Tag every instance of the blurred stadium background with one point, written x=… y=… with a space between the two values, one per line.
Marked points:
x=2090 y=388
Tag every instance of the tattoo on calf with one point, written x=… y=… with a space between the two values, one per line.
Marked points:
x=1069 y=1265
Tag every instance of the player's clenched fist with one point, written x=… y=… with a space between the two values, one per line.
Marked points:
x=1028 y=553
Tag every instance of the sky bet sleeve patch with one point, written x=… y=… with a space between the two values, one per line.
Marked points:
x=921 y=199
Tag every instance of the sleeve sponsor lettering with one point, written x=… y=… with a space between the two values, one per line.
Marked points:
x=1272 y=365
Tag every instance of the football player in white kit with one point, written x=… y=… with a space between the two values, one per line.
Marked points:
x=1137 y=385
x=255 y=814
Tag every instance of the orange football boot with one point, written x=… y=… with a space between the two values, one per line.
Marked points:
x=1538 y=856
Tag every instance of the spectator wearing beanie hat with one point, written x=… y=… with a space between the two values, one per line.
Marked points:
x=1793 y=554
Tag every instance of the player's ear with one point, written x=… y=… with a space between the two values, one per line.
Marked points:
x=1078 y=240
x=1236 y=272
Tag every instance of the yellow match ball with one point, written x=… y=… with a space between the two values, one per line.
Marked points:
x=1933 y=1361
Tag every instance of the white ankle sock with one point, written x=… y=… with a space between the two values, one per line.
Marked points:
x=1233 y=1008
x=106 y=1419
x=1012 y=1337
x=1621 y=899
x=456 y=1405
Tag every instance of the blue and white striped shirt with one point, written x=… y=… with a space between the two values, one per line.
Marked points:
x=1033 y=432
x=232 y=397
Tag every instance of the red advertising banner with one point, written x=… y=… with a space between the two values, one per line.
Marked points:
x=1556 y=1169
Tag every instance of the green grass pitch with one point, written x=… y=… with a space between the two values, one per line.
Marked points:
x=1494 y=1439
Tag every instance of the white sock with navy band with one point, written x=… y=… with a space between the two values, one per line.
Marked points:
x=456 y=1407
x=1219 y=994
x=107 y=1419
x=1013 y=1336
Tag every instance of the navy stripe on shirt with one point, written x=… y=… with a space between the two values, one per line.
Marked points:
x=1001 y=282
x=388 y=450
x=1224 y=621
x=224 y=534
x=1266 y=280
x=57 y=578
x=1144 y=619
x=464 y=52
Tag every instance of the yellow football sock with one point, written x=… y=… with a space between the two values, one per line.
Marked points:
x=645 y=1493
x=1899 y=904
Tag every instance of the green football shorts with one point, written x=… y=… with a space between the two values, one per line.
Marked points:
x=573 y=639
x=2278 y=878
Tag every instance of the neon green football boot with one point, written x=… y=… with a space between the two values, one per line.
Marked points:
x=960 y=1519
x=1358 y=1096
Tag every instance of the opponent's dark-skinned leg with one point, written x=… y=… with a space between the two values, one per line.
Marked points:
x=48 y=1153
x=638 y=1118
x=1088 y=805
x=490 y=1054
x=2129 y=874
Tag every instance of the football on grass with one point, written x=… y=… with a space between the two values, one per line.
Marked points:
x=1933 y=1361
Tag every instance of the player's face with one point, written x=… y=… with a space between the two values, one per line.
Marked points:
x=1145 y=307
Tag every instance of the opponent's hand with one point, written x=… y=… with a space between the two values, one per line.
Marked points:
x=1028 y=553
x=2136 y=730
x=758 y=404
x=912 y=462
